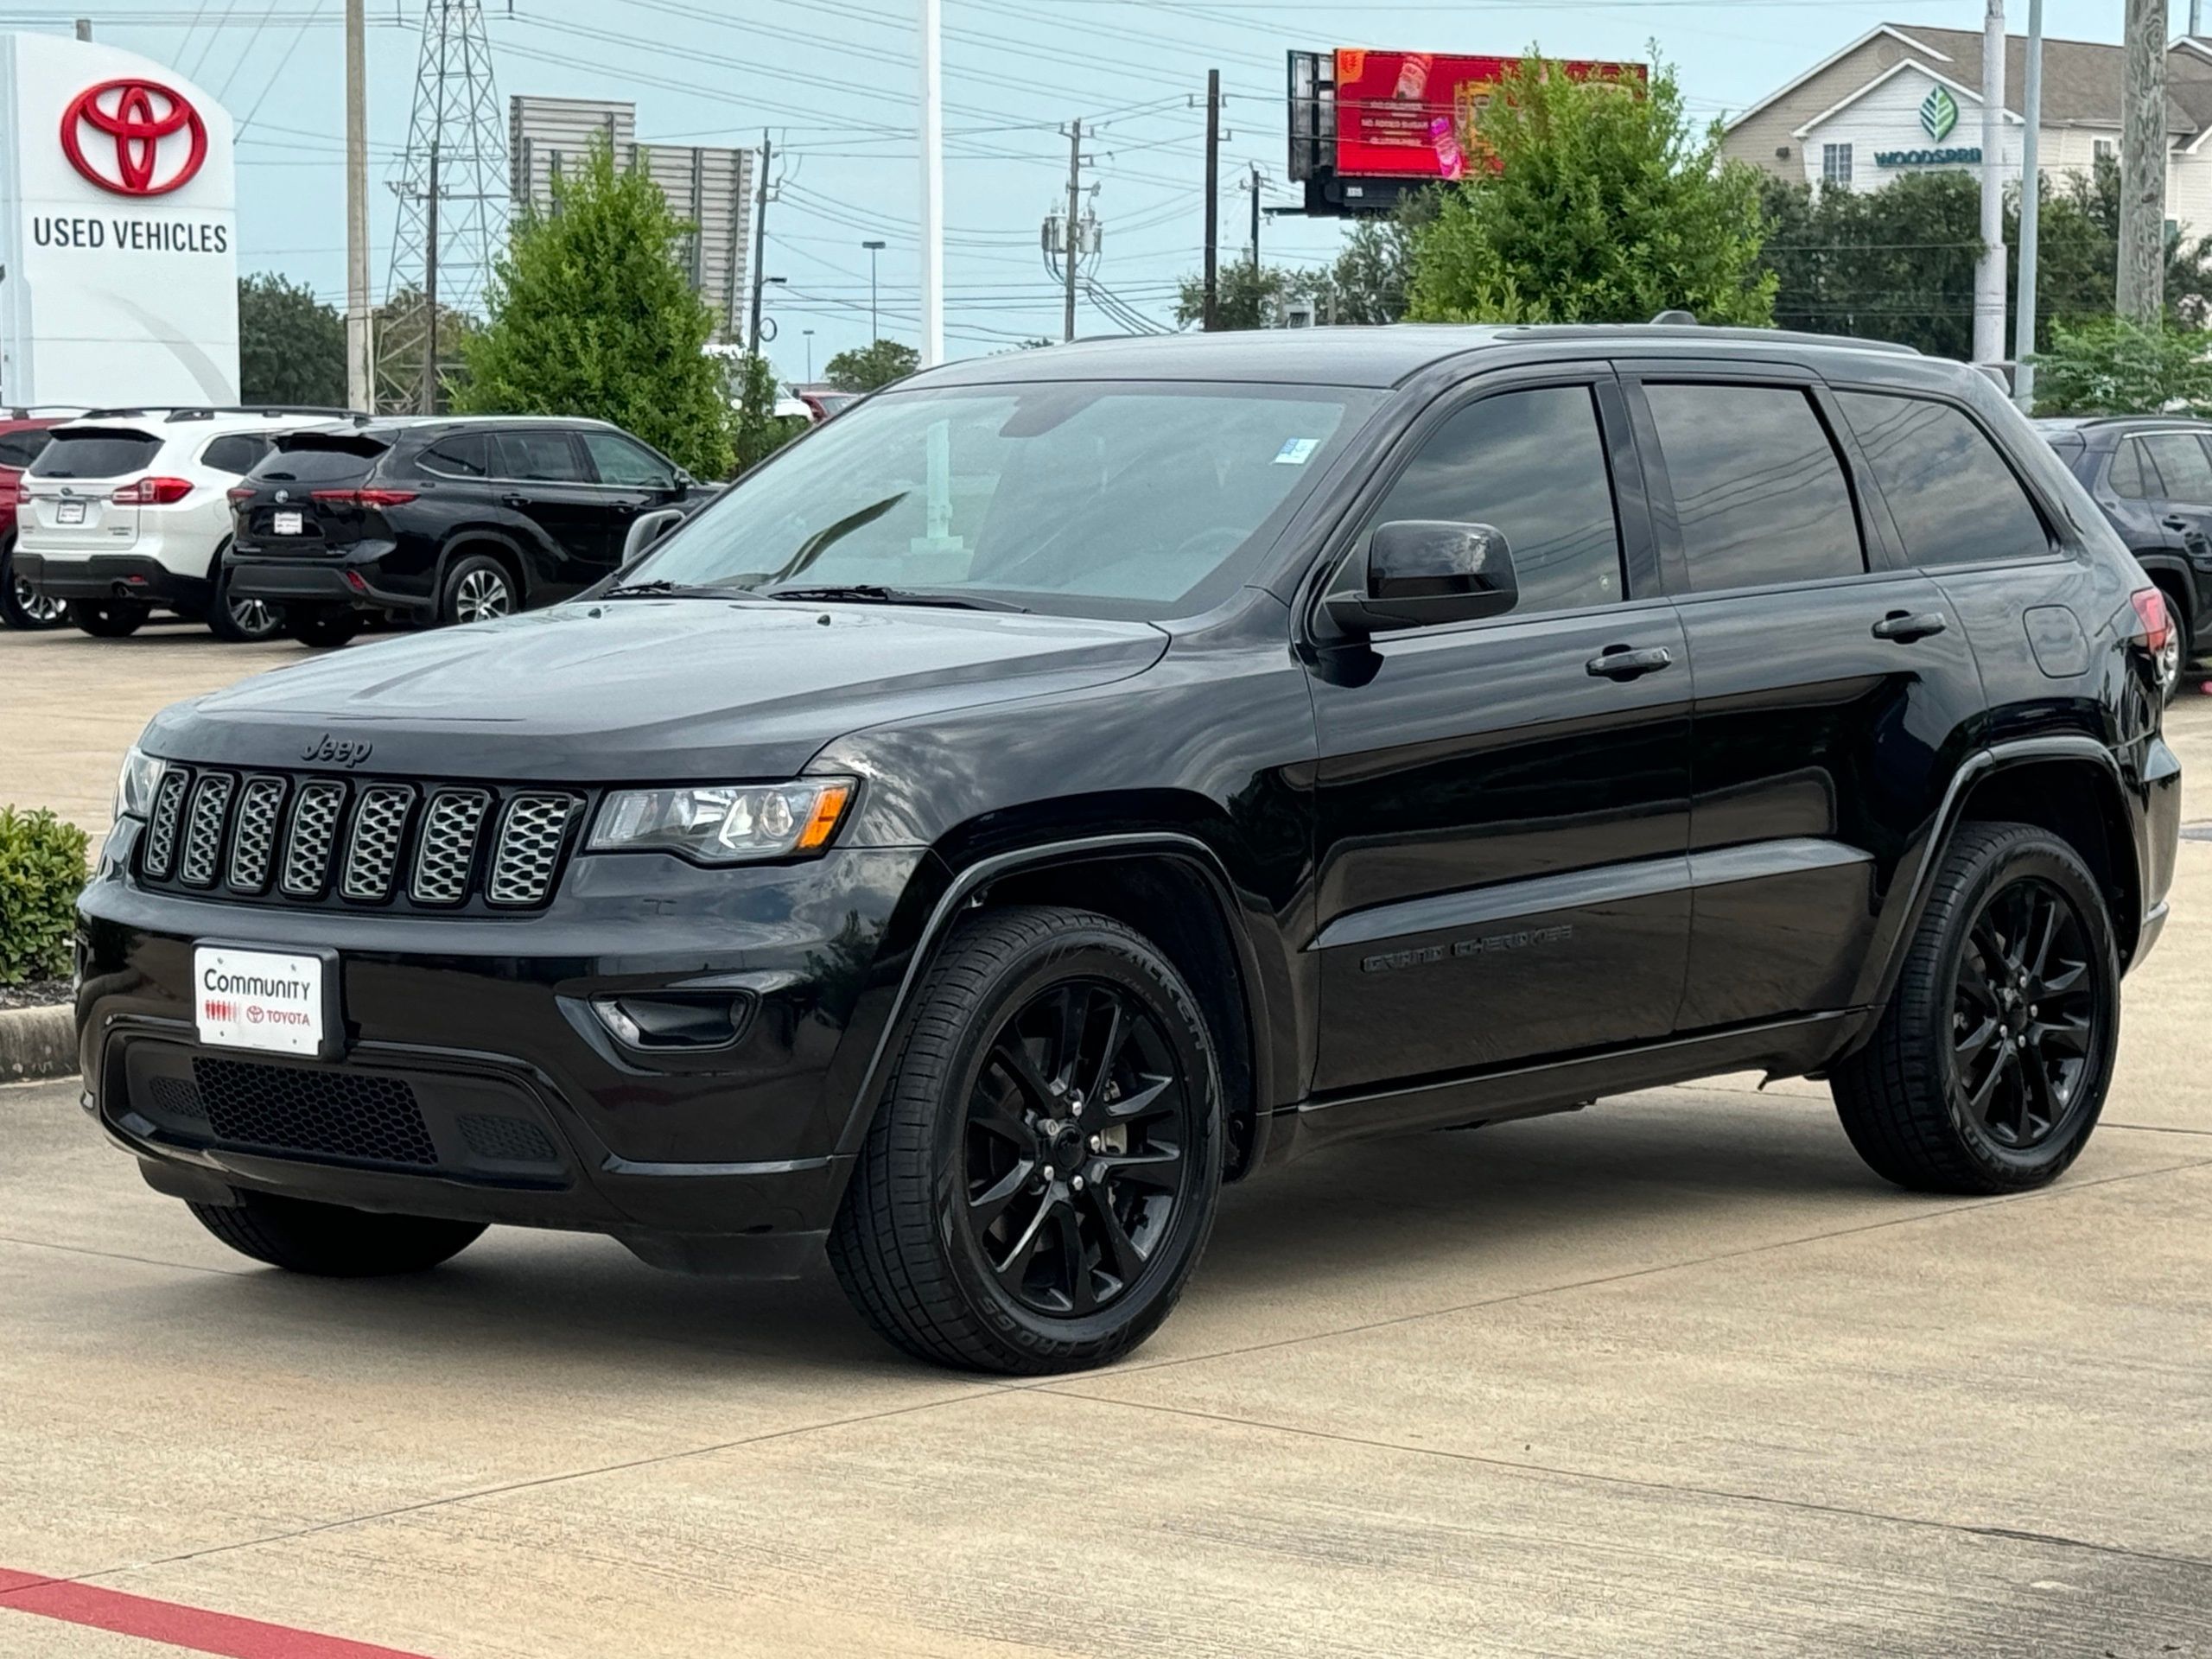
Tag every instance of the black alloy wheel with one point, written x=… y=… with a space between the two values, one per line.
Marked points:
x=2027 y=1014
x=1073 y=1160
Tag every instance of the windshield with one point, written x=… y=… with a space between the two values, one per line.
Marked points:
x=1096 y=499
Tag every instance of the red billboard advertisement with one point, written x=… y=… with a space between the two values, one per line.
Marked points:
x=1412 y=114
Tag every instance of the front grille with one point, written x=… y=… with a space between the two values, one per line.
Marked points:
x=347 y=841
x=334 y=1114
x=509 y=1139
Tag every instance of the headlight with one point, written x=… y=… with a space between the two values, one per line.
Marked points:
x=724 y=823
x=135 y=785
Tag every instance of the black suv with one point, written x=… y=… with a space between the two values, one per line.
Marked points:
x=2152 y=476
x=440 y=519
x=1069 y=780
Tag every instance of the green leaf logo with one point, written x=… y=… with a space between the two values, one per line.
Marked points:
x=1939 y=114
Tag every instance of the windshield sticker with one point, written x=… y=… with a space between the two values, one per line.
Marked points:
x=1296 y=451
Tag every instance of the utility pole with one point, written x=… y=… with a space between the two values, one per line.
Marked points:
x=932 y=214
x=2023 y=336
x=1071 y=246
x=2195 y=19
x=84 y=29
x=1255 y=219
x=760 y=240
x=1989 y=269
x=874 y=246
x=2143 y=166
x=1210 y=318
x=360 y=378
x=430 y=294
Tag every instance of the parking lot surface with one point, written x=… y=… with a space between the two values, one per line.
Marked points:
x=1672 y=1374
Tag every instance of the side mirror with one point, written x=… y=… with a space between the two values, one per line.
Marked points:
x=1423 y=571
x=684 y=483
x=645 y=530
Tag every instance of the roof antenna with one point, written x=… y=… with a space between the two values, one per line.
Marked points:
x=1675 y=318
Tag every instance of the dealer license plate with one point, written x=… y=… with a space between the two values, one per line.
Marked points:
x=69 y=512
x=258 y=998
x=288 y=523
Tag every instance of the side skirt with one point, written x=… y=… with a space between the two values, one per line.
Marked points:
x=1783 y=1048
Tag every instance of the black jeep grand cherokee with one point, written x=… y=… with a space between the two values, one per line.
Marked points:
x=1072 y=780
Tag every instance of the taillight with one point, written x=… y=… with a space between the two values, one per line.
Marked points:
x=2157 y=621
x=241 y=493
x=153 y=492
x=364 y=497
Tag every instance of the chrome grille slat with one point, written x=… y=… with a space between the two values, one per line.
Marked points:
x=167 y=818
x=254 y=837
x=372 y=850
x=445 y=852
x=316 y=812
x=203 y=834
x=532 y=832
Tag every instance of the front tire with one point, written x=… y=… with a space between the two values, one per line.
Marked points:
x=1989 y=1068
x=109 y=619
x=1041 y=1176
x=324 y=627
x=332 y=1241
x=21 y=605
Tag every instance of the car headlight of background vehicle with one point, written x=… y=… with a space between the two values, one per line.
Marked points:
x=135 y=785
x=724 y=823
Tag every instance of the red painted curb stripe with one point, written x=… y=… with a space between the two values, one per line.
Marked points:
x=192 y=1628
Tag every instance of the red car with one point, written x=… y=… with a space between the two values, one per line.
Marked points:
x=23 y=434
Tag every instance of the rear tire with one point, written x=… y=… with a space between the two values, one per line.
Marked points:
x=241 y=621
x=324 y=627
x=1989 y=1068
x=1040 y=1178
x=109 y=619
x=332 y=1241
x=478 y=589
x=21 y=608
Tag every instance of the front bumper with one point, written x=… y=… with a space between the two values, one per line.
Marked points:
x=111 y=576
x=476 y=1080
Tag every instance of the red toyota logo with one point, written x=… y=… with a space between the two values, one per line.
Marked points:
x=149 y=127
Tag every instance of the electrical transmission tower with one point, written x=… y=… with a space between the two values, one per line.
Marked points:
x=452 y=186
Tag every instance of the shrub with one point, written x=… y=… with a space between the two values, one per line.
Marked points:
x=42 y=871
x=2107 y=365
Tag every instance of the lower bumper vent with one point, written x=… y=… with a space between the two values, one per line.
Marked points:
x=334 y=1114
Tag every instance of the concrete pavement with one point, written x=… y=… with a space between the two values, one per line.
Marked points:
x=1674 y=1374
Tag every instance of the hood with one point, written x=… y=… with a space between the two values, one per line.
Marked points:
x=640 y=690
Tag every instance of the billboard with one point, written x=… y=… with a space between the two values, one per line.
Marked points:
x=119 y=230
x=1412 y=115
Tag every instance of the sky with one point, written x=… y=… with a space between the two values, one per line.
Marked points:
x=833 y=82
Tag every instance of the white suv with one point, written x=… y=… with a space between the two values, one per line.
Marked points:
x=128 y=509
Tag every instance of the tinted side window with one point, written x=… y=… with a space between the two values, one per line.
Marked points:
x=2182 y=465
x=238 y=453
x=21 y=448
x=468 y=455
x=617 y=461
x=1758 y=490
x=1533 y=464
x=1954 y=499
x=2126 y=478
x=545 y=455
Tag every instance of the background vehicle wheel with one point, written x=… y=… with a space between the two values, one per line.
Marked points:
x=478 y=589
x=241 y=621
x=1990 y=1066
x=21 y=606
x=302 y=1236
x=324 y=626
x=1040 y=1178
x=109 y=619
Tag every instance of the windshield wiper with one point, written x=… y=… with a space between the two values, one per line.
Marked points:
x=669 y=590
x=868 y=593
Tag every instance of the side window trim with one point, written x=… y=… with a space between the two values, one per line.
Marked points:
x=1878 y=549
x=1639 y=562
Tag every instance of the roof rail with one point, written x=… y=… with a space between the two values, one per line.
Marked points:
x=175 y=412
x=28 y=411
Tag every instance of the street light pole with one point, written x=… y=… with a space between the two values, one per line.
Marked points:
x=874 y=330
x=932 y=214
x=1989 y=270
x=2023 y=335
x=809 y=333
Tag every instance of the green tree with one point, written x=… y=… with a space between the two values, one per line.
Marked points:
x=591 y=312
x=760 y=431
x=1246 y=296
x=865 y=367
x=1592 y=201
x=2107 y=365
x=291 y=346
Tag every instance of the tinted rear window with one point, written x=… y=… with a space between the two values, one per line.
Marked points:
x=319 y=458
x=546 y=457
x=1954 y=499
x=466 y=455
x=96 y=451
x=236 y=453
x=21 y=448
x=2182 y=465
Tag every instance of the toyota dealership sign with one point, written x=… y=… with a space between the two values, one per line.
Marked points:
x=118 y=231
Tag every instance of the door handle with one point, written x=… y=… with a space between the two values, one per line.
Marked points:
x=625 y=508
x=1620 y=663
x=1905 y=627
x=2175 y=521
x=517 y=501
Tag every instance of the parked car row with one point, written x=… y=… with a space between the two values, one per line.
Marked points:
x=314 y=522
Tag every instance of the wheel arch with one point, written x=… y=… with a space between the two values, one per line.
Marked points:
x=492 y=544
x=1170 y=886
